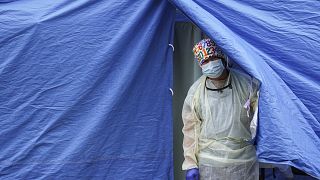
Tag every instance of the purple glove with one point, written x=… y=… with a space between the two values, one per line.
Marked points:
x=192 y=174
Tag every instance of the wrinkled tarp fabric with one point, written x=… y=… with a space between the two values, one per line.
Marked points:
x=84 y=89
x=277 y=42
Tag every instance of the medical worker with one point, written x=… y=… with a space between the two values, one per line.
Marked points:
x=217 y=116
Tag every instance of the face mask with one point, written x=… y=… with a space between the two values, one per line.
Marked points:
x=213 y=69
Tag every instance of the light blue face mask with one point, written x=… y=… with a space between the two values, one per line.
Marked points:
x=213 y=69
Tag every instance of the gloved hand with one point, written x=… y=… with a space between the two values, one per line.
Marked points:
x=192 y=174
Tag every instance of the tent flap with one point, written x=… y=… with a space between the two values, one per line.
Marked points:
x=84 y=89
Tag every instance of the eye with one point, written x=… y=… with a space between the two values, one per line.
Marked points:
x=205 y=62
x=211 y=58
x=215 y=58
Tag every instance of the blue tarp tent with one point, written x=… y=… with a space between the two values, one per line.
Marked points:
x=85 y=85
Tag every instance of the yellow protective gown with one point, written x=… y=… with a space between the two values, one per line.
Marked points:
x=217 y=128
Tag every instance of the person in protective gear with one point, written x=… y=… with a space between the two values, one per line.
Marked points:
x=218 y=115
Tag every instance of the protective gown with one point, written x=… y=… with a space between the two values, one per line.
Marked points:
x=218 y=128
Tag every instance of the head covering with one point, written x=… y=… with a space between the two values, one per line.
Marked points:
x=206 y=48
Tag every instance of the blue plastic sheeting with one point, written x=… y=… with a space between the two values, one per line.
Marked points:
x=277 y=42
x=84 y=89
x=180 y=17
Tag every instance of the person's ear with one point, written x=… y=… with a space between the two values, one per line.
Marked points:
x=224 y=62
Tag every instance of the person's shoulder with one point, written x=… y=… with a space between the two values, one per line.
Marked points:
x=195 y=85
x=239 y=75
x=244 y=78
